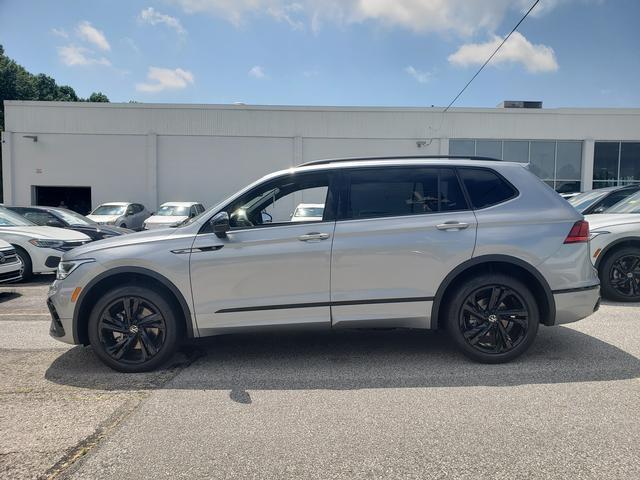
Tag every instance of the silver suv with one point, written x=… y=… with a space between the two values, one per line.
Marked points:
x=481 y=248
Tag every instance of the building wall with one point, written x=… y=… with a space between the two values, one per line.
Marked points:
x=153 y=153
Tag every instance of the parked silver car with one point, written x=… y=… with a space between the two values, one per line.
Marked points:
x=121 y=214
x=481 y=248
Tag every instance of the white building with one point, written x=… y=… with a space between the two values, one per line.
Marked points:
x=87 y=153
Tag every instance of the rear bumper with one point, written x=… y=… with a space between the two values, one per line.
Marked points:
x=575 y=304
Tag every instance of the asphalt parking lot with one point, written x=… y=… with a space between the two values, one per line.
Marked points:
x=363 y=404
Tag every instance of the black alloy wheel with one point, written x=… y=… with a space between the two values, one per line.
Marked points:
x=133 y=329
x=620 y=275
x=494 y=319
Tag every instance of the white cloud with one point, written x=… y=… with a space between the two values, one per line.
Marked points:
x=535 y=58
x=287 y=14
x=463 y=17
x=89 y=33
x=419 y=76
x=74 y=55
x=257 y=72
x=153 y=17
x=160 y=79
x=59 y=32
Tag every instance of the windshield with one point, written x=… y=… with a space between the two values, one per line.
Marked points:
x=585 y=200
x=109 y=210
x=309 y=212
x=12 y=219
x=173 y=211
x=630 y=204
x=73 y=218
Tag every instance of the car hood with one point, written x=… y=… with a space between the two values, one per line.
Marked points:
x=103 y=218
x=166 y=219
x=48 y=233
x=603 y=220
x=122 y=241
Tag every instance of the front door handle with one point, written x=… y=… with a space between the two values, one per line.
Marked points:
x=452 y=226
x=313 y=237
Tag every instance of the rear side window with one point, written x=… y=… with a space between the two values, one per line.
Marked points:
x=393 y=192
x=485 y=187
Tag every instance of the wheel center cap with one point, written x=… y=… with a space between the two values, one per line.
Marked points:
x=629 y=275
x=133 y=329
x=493 y=318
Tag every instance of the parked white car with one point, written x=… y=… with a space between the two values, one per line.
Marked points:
x=121 y=214
x=615 y=249
x=10 y=264
x=39 y=248
x=308 y=212
x=172 y=214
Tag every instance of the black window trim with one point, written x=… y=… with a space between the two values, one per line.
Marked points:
x=343 y=200
x=516 y=192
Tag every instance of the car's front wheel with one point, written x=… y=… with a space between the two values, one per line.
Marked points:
x=493 y=318
x=620 y=275
x=26 y=270
x=133 y=329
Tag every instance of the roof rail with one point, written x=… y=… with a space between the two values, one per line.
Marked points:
x=397 y=157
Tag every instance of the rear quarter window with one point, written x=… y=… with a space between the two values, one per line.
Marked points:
x=485 y=187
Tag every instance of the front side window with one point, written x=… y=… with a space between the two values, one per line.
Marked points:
x=394 y=192
x=274 y=202
x=485 y=187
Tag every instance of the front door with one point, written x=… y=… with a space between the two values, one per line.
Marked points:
x=399 y=232
x=268 y=270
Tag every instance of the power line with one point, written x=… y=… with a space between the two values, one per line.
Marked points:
x=492 y=55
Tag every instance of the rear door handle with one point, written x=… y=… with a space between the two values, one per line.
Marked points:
x=452 y=226
x=313 y=237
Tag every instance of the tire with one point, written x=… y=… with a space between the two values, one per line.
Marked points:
x=481 y=331
x=27 y=265
x=128 y=346
x=620 y=275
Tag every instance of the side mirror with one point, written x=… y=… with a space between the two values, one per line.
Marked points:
x=54 y=223
x=220 y=224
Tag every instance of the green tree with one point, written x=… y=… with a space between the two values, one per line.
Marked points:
x=16 y=83
x=98 y=97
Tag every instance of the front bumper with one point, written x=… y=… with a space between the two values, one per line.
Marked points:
x=575 y=304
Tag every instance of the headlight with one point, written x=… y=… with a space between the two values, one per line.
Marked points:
x=66 y=267
x=46 y=243
x=594 y=234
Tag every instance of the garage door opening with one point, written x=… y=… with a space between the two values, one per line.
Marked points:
x=77 y=199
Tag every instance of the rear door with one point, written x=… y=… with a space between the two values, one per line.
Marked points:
x=399 y=232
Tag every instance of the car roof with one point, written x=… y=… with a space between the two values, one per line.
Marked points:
x=179 y=204
x=120 y=204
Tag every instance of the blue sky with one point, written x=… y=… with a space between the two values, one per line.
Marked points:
x=579 y=53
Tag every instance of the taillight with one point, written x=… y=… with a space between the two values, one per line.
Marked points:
x=579 y=232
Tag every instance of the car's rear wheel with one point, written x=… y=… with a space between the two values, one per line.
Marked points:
x=26 y=271
x=620 y=275
x=493 y=318
x=133 y=329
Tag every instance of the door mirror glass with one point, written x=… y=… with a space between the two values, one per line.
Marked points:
x=266 y=217
x=220 y=224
